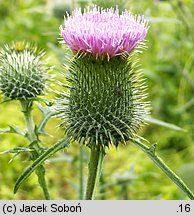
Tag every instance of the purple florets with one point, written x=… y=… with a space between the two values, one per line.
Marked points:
x=103 y=32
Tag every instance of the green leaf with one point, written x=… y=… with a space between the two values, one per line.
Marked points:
x=11 y=129
x=17 y=150
x=47 y=114
x=151 y=120
x=151 y=153
x=39 y=161
x=46 y=102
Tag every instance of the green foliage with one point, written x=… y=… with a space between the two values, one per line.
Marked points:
x=168 y=66
x=39 y=161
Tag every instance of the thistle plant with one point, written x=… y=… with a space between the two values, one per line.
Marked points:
x=23 y=77
x=105 y=99
x=105 y=104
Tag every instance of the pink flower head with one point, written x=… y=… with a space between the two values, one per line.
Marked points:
x=103 y=32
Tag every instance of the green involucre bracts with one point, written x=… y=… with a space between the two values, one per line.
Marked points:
x=104 y=103
x=23 y=72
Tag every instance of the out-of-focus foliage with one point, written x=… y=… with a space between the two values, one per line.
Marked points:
x=169 y=69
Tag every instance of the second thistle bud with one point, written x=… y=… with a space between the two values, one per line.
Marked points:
x=23 y=72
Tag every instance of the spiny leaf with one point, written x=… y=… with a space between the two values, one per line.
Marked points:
x=162 y=166
x=39 y=161
x=46 y=102
x=17 y=150
x=47 y=114
x=153 y=149
x=11 y=129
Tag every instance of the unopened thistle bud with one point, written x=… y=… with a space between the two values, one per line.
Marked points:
x=23 y=71
x=104 y=103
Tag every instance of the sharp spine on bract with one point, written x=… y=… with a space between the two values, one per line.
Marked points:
x=105 y=101
x=23 y=71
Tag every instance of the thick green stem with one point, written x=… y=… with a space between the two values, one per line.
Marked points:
x=150 y=151
x=26 y=109
x=95 y=169
x=32 y=137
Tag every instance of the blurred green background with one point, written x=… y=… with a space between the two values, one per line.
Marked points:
x=168 y=65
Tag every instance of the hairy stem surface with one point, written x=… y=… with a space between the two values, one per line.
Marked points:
x=34 y=144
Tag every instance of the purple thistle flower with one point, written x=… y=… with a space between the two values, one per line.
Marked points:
x=103 y=32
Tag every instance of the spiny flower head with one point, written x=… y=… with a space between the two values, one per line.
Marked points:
x=105 y=101
x=103 y=32
x=23 y=72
